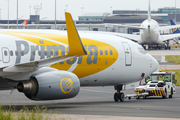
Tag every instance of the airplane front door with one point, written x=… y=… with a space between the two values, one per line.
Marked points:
x=128 y=55
x=5 y=55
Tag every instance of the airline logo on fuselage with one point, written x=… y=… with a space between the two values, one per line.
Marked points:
x=174 y=29
x=23 y=48
x=66 y=85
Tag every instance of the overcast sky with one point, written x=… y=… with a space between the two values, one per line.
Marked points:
x=75 y=7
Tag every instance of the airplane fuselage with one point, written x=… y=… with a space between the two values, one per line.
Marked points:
x=109 y=60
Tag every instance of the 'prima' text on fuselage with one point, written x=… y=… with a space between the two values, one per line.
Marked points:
x=23 y=48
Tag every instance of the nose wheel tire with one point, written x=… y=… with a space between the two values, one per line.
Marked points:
x=170 y=96
x=119 y=97
x=116 y=97
x=165 y=94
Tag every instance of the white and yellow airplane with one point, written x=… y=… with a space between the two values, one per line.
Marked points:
x=51 y=64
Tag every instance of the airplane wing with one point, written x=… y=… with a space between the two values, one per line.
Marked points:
x=128 y=36
x=76 y=49
x=167 y=27
x=129 y=26
x=171 y=36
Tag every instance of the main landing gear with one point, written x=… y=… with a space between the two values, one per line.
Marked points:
x=118 y=96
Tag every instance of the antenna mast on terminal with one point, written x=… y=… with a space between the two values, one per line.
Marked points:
x=37 y=9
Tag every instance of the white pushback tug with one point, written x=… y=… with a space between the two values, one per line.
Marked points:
x=158 y=84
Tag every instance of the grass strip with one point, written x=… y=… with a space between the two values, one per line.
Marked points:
x=173 y=58
x=36 y=113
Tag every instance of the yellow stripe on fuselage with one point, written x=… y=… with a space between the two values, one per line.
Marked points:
x=83 y=69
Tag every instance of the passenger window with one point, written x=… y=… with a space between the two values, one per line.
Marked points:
x=5 y=53
x=111 y=53
x=101 y=52
x=11 y=53
x=106 y=52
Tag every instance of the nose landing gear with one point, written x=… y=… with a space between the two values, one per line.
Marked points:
x=118 y=96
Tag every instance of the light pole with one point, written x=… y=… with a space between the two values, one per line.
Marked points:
x=175 y=11
x=55 y=14
x=111 y=10
x=17 y=14
x=0 y=14
x=29 y=10
x=8 y=14
x=66 y=7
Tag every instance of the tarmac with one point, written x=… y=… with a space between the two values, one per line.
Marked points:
x=98 y=103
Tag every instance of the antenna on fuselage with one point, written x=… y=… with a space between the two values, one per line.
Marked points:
x=149 y=12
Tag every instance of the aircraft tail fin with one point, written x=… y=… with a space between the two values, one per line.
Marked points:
x=175 y=30
x=25 y=22
x=149 y=12
x=75 y=45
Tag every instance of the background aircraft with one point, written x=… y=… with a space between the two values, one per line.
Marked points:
x=53 y=64
x=150 y=33
x=175 y=30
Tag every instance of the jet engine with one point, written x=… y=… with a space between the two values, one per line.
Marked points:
x=50 y=86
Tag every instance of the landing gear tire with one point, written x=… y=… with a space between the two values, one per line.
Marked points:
x=169 y=47
x=165 y=94
x=121 y=97
x=137 y=97
x=159 y=47
x=144 y=97
x=170 y=96
x=116 y=97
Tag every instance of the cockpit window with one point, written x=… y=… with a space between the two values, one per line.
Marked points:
x=141 y=50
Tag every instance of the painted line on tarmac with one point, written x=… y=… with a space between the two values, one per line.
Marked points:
x=117 y=106
x=163 y=59
x=97 y=91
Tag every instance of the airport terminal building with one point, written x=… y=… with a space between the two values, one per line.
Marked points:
x=131 y=17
